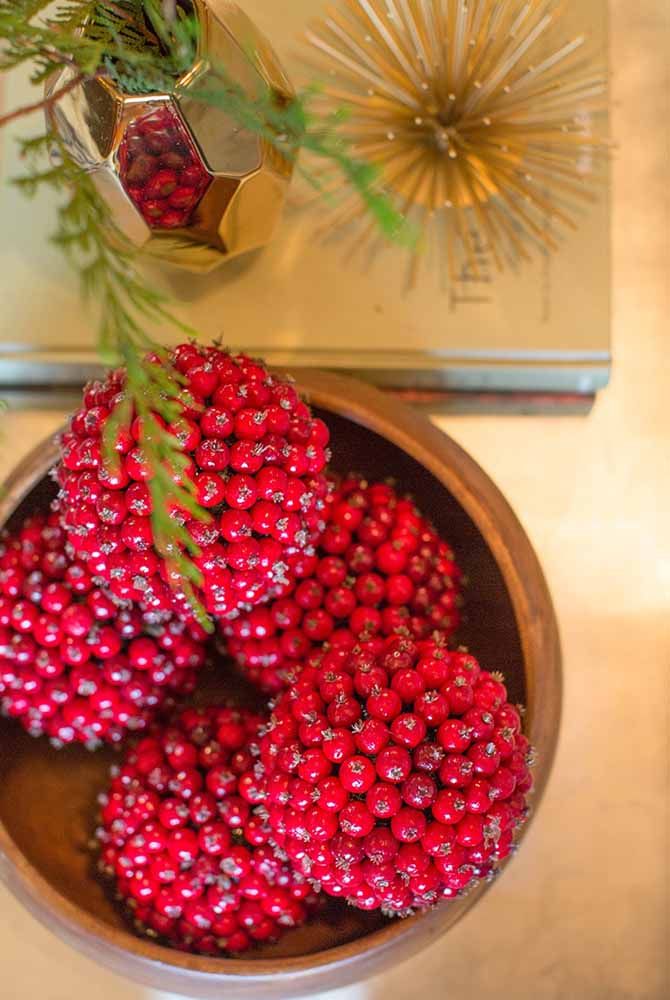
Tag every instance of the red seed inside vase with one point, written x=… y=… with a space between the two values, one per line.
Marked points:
x=161 y=170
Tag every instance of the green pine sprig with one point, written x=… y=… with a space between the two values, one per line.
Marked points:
x=127 y=307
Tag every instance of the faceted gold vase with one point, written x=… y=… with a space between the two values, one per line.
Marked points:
x=183 y=180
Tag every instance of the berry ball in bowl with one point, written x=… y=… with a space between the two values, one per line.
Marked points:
x=74 y=664
x=467 y=804
x=246 y=437
x=379 y=568
x=189 y=860
x=395 y=779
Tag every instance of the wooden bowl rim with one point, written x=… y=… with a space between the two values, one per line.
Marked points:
x=504 y=536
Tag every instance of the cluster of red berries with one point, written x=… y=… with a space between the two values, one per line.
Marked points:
x=392 y=772
x=395 y=779
x=181 y=841
x=380 y=569
x=73 y=665
x=161 y=170
x=256 y=458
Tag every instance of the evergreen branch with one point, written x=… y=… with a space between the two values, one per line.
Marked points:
x=131 y=19
x=153 y=388
x=43 y=105
x=89 y=36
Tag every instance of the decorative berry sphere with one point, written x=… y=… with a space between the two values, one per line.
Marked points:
x=183 y=846
x=398 y=779
x=257 y=459
x=73 y=664
x=380 y=569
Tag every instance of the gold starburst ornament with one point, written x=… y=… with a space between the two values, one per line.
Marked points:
x=478 y=115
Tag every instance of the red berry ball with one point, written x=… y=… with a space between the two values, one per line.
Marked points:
x=255 y=456
x=197 y=871
x=75 y=666
x=380 y=569
x=422 y=795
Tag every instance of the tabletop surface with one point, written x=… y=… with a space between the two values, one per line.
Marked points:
x=582 y=911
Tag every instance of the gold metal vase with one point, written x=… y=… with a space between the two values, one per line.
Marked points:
x=183 y=180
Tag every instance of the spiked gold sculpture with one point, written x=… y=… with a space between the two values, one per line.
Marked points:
x=478 y=115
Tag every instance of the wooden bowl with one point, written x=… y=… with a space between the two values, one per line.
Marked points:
x=48 y=797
